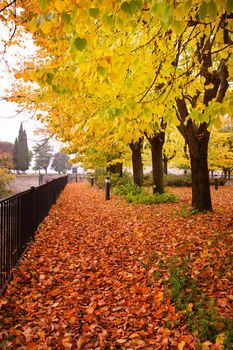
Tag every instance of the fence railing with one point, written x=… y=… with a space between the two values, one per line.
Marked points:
x=20 y=216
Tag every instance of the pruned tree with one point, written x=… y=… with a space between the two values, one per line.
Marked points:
x=60 y=162
x=42 y=156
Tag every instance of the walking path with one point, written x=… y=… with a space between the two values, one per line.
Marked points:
x=94 y=277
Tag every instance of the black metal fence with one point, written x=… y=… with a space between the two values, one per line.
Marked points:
x=20 y=216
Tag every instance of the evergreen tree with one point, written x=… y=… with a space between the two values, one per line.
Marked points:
x=42 y=154
x=21 y=151
x=60 y=162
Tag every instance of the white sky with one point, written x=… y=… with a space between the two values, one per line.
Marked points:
x=10 y=120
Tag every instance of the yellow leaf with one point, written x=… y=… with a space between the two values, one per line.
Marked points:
x=190 y=307
x=134 y=335
x=209 y=86
x=83 y=3
x=224 y=54
x=59 y=5
x=181 y=345
x=206 y=345
x=32 y=25
x=46 y=27
x=159 y=297
x=220 y=339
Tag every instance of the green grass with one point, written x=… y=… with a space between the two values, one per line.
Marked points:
x=200 y=313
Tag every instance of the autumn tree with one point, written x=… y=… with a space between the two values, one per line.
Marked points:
x=6 y=154
x=6 y=147
x=6 y=164
x=135 y=59
x=221 y=152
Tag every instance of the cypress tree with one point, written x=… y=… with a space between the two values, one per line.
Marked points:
x=21 y=157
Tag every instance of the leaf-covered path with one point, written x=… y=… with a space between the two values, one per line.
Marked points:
x=96 y=276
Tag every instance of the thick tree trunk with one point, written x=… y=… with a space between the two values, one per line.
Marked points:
x=198 y=150
x=197 y=138
x=156 y=143
x=116 y=169
x=136 y=148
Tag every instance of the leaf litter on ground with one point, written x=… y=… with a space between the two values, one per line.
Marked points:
x=111 y=275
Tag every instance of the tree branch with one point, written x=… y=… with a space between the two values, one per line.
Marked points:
x=8 y=5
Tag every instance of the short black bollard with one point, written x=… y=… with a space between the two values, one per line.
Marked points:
x=107 y=188
x=216 y=183
x=92 y=180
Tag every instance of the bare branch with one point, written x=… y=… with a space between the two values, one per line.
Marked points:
x=15 y=115
x=154 y=80
x=148 y=42
x=8 y=5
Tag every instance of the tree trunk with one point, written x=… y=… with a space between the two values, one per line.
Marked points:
x=212 y=174
x=197 y=140
x=136 y=148
x=165 y=164
x=201 y=199
x=156 y=143
x=197 y=137
x=225 y=173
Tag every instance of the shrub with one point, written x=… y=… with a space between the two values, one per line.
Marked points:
x=135 y=194
x=5 y=178
x=147 y=180
x=221 y=182
x=173 y=180
x=115 y=180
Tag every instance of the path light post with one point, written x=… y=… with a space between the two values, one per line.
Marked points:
x=92 y=180
x=107 y=188
x=216 y=183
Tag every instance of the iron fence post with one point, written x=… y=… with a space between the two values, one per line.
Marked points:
x=216 y=183
x=107 y=188
x=92 y=180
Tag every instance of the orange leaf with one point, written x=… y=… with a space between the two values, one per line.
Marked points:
x=32 y=346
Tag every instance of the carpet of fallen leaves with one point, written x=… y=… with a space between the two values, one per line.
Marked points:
x=87 y=280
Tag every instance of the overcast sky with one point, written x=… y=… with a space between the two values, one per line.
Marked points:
x=10 y=120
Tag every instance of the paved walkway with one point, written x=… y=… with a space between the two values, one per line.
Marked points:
x=86 y=282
